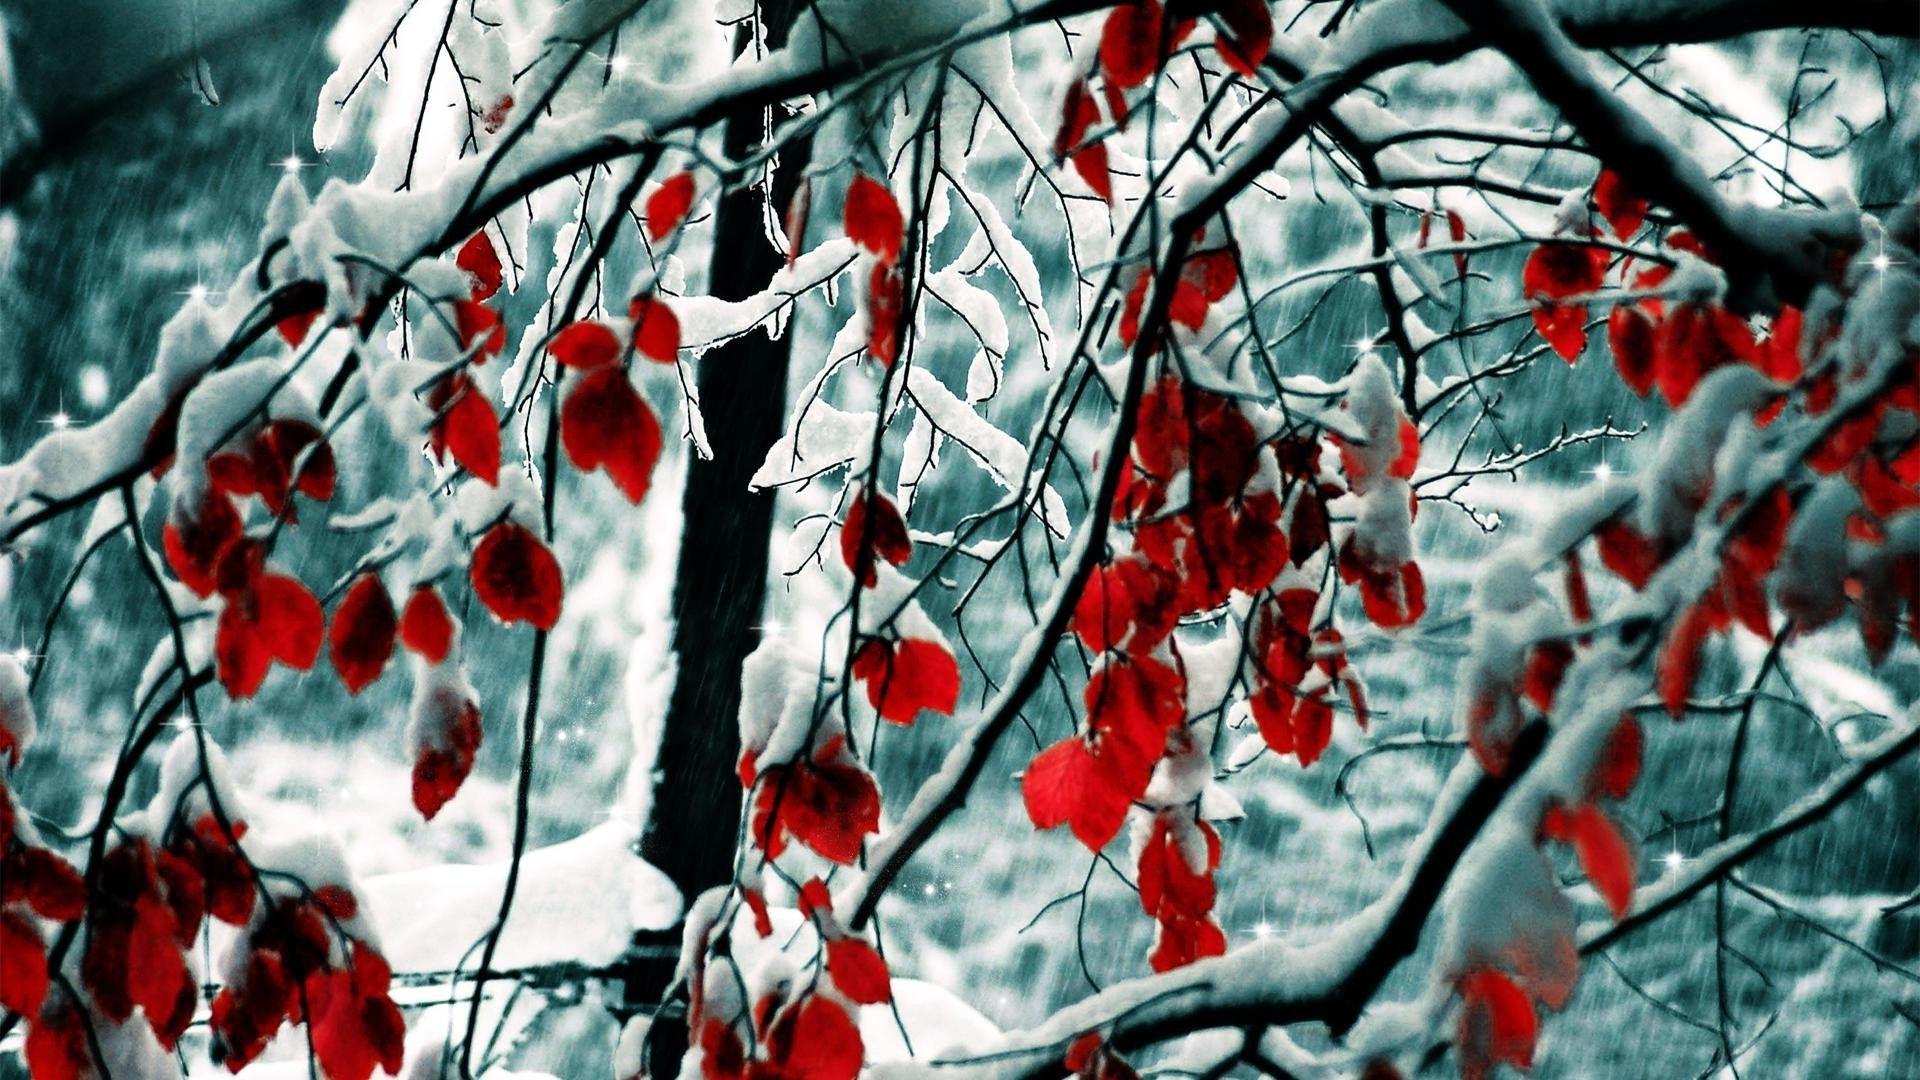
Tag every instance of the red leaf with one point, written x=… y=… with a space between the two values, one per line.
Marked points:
x=1125 y=601
x=465 y=426
x=872 y=217
x=1606 y=857
x=1249 y=34
x=363 y=632
x=604 y=423
x=1619 y=765
x=813 y=1039
x=1497 y=1024
x=1546 y=666
x=23 y=965
x=1626 y=552
x=656 y=329
x=876 y=522
x=46 y=882
x=1678 y=665
x=1183 y=940
x=1619 y=206
x=762 y=918
x=480 y=328
x=425 y=626
x=1067 y=784
x=516 y=577
x=1630 y=334
x=1136 y=700
x=1078 y=115
x=279 y=449
x=273 y=618
x=668 y=205
x=1130 y=46
x=57 y=1045
x=912 y=675
x=481 y=263
x=1551 y=274
x=858 y=971
x=585 y=345
x=886 y=297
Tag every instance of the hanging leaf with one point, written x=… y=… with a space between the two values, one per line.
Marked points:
x=363 y=632
x=605 y=424
x=668 y=205
x=516 y=577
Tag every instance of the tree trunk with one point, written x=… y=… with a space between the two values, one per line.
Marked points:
x=720 y=590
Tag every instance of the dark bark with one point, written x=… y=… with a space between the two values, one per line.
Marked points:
x=720 y=590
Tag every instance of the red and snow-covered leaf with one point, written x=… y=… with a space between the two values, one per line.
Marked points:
x=363 y=630
x=668 y=205
x=516 y=577
x=812 y=1039
x=482 y=332
x=907 y=676
x=482 y=264
x=295 y=308
x=196 y=542
x=1134 y=701
x=1696 y=340
x=445 y=731
x=1498 y=1024
x=606 y=424
x=886 y=300
x=1605 y=855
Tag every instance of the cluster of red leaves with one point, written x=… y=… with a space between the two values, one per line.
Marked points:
x=604 y=422
x=1292 y=689
x=873 y=221
x=907 y=675
x=464 y=422
x=267 y=617
x=1088 y=781
x=146 y=911
x=1206 y=278
x=295 y=974
x=827 y=803
x=33 y=882
x=1175 y=875
x=809 y=1037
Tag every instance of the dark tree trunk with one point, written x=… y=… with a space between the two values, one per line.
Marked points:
x=721 y=586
